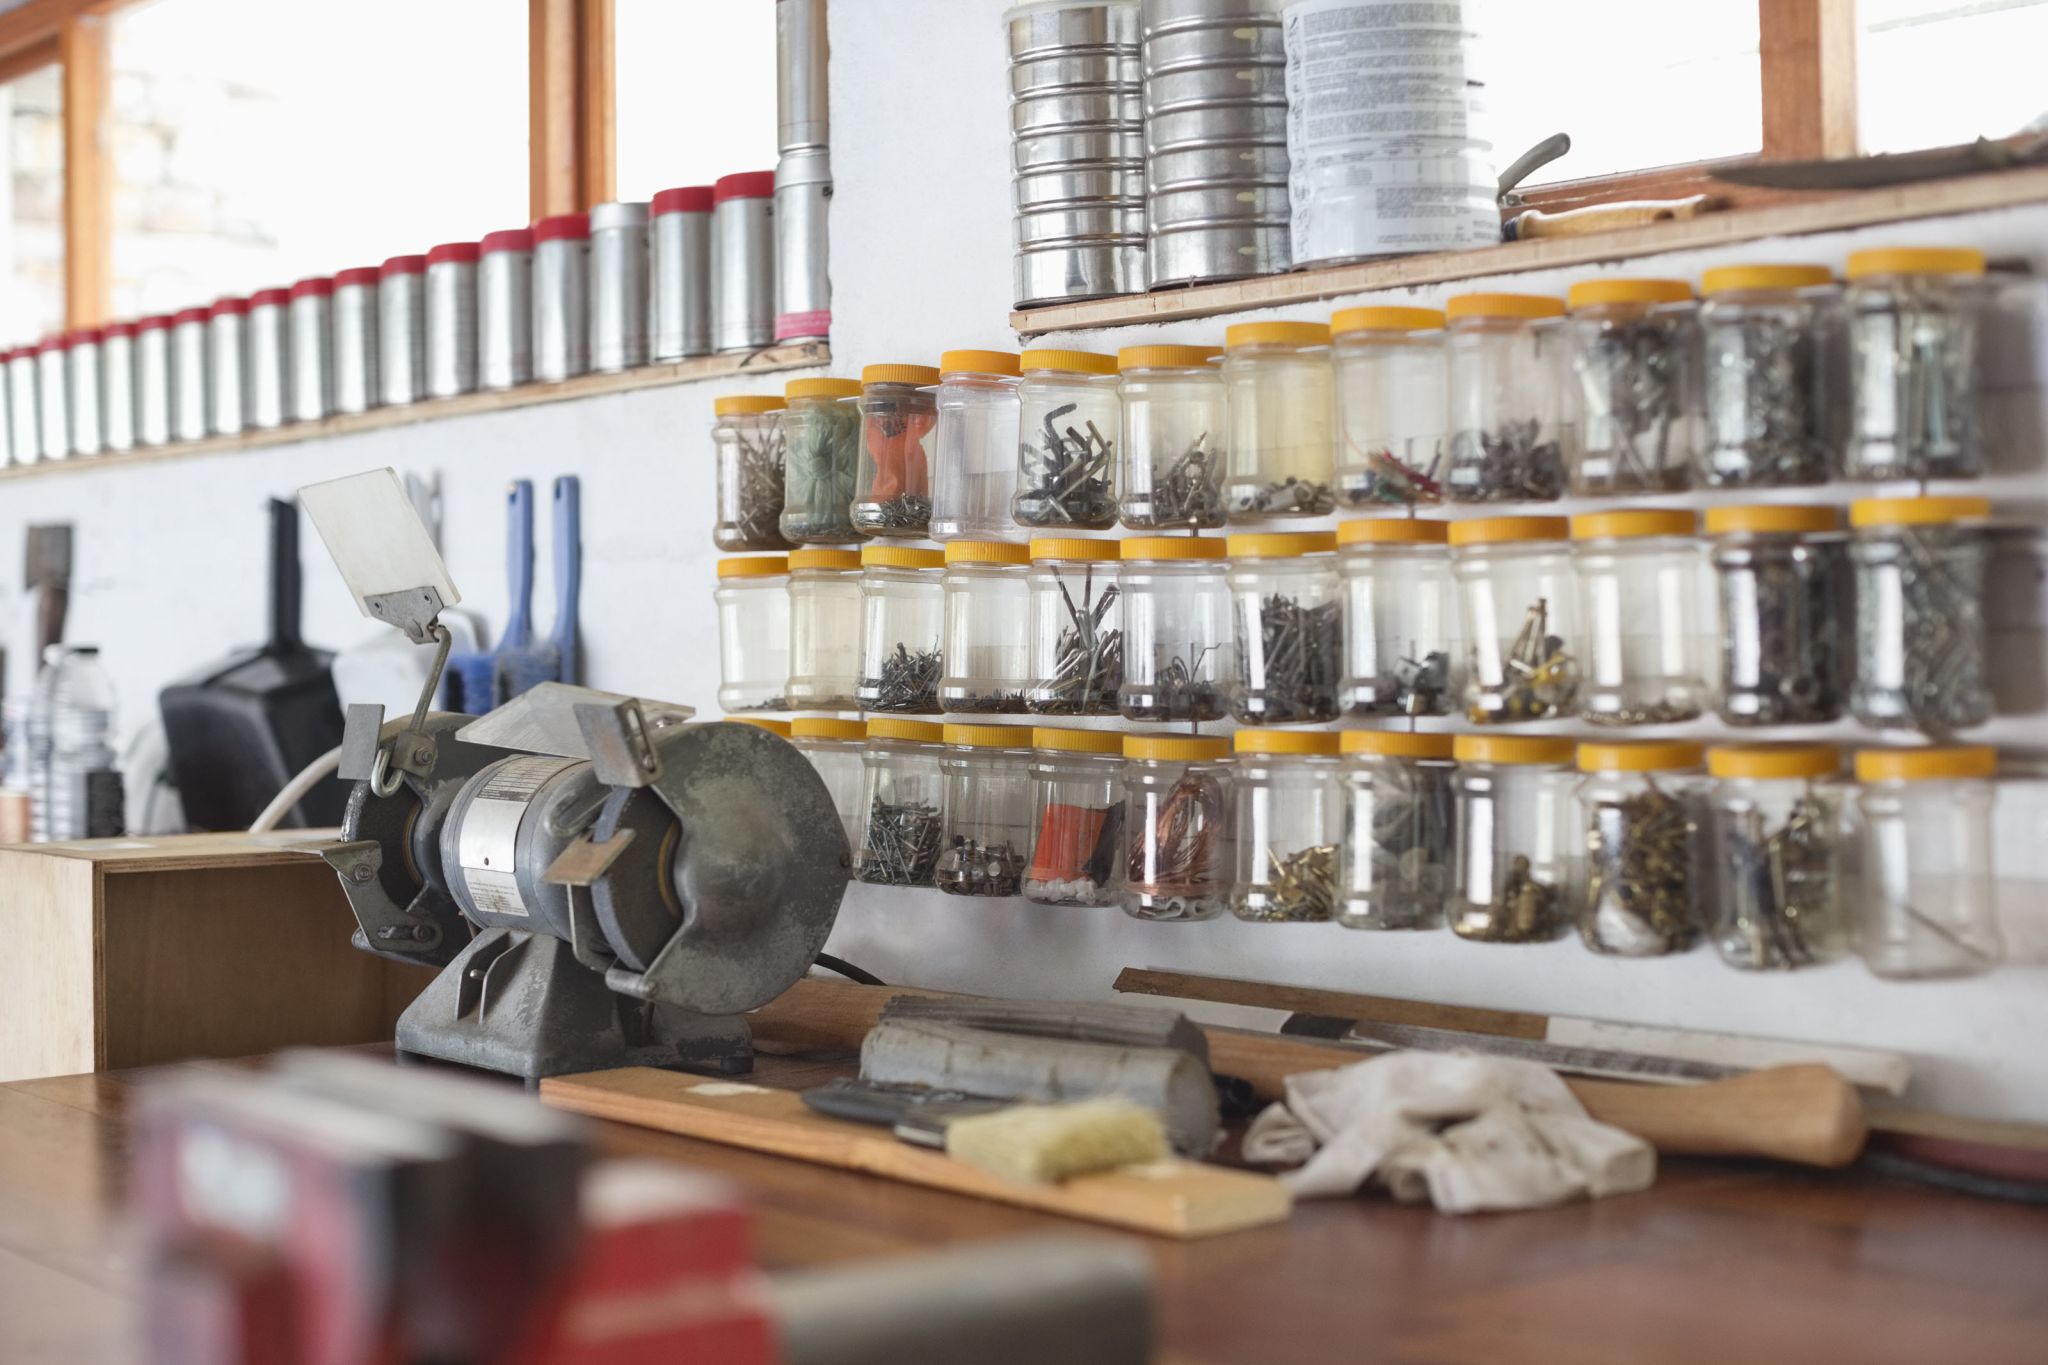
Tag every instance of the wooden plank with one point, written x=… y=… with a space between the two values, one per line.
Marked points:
x=596 y=102
x=1864 y=208
x=46 y=971
x=1169 y=1199
x=1224 y=990
x=34 y=23
x=1808 y=50
x=23 y=61
x=88 y=170
x=158 y=852
x=551 y=111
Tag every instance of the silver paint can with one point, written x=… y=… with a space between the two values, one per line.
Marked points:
x=269 y=359
x=402 y=330
x=803 y=284
x=618 y=286
x=117 y=386
x=357 y=381
x=311 y=348
x=504 y=309
x=53 y=383
x=802 y=110
x=227 y=366
x=153 y=387
x=25 y=433
x=561 y=279
x=743 y=261
x=191 y=374
x=451 y=319
x=680 y=296
x=82 y=364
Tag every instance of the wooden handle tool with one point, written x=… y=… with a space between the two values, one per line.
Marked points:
x=1603 y=217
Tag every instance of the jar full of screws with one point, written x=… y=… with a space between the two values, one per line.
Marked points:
x=974 y=452
x=1289 y=823
x=1920 y=638
x=892 y=487
x=1393 y=406
x=833 y=748
x=1174 y=432
x=748 y=442
x=1631 y=348
x=1282 y=408
x=1509 y=398
x=1075 y=626
x=1066 y=441
x=1644 y=608
x=987 y=824
x=1177 y=827
x=824 y=629
x=1400 y=818
x=1289 y=628
x=753 y=633
x=1636 y=883
x=1782 y=586
x=1402 y=651
x=1912 y=315
x=1775 y=848
x=822 y=425
x=987 y=657
x=1179 y=653
x=1928 y=902
x=1768 y=373
x=902 y=615
x=902 y=803
x=1077 y=805
x=1510 y=825
x=1522 y=635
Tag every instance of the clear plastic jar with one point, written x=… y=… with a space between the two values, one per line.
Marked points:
x=892 y=490
x=1403 y=655
x=1077 y=812
x=974 y=455
x=1179 y=650
x=1289 y=821
x=1928 y=899
x=748 y=443
x=1393 y=406
x=833 y=747
x=1176 y=430
x=1075 y=628
x=1525 y=650
x=1920 y=639
x=1512 y=820
x=987 y=828
x=824 y=629
x=1639 y=580
x=987 y=656
x=1774 y=847
x=1781 y=581
x=1912 y=315
x=902 y=803
x=1631 y=346
x=1177 y=826
x=1400 y=830
x=753 y=633
x=821 y=425
x=1069 y=418
x=1290 y=628
x=1282 y=402
x=1767 y=384
x=1510 y=402
x=1637 y=872
x=902 y=615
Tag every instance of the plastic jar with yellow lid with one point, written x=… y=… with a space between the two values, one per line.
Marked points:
x=1769 y=394
x=1634 y=368
x=1290 y=628
x=1928 y=902
x=1177 y=827
x=1393 y=405
x=824 y=629
x=902 y=803
x=1913 y=315
x=1644 y=607
x=1920 y=637
x=1179 y=651
x=1509 y=422
x=986 y=831
x=1400 y=829
x=892 y=488
x=974 y=454
x=1289 y=826
x=748 y=444
x=1282 y=415
x=1175 y=432
x=821 y=420
x=1524 y=645
x=902 y=620
x=1075 y=627
x=1404 y=654
x=1512 y=829
x=987 y=652
x=1782 y=587
x=1775 y=852
x=833 y=748
x=1069 y=422
x=753 y=633
x=1077 y=813
x=1636 y=884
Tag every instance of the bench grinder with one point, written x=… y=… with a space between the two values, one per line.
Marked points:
x=601 y=882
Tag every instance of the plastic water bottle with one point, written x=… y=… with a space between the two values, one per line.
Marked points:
x=36 y=759
x=84 y=800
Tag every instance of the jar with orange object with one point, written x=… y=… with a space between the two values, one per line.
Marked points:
x=892 y=493
x=1077 y=815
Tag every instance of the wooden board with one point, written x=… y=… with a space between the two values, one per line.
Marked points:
x=1170 y=1198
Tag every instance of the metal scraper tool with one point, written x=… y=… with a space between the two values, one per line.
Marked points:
x=1577 y=1061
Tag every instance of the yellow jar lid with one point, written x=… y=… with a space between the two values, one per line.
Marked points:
x=1774 y=760
x=1077 y=741
x=1531 y=307
x=1544 y=749
x=827 y=727
x=745 y=405
x=1078 y=549
x=1393 y=531
x=1638 y=755
x=773 y=727
x=821 y=388
x=753 y=566
x=1280 y=544
x=1776 y=518
x=986 y=552
x=1167 y=357
x=1729 y=279
x=1396 y=743
x=980 y=362
x=1177 y=748
x=1174 y=547
x=1385 y=319
x=1593 y=293
x=989 y=736
x=899 y=374
x=916 y=731
x=1922 y=765
x=1499 y=530
x=824 y=559
x=1069 y=362
x=1915 y=260
x=1310 y=742
x=1276 y=334
x=1629 y=525
x=899 y=557
x=1916 y=511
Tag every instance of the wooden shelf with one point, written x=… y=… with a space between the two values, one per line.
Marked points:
x=497 y=400
x=1862 y=208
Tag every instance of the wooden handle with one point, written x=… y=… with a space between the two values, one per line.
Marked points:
x=1606 y=217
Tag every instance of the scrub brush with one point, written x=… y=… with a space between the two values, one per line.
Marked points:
x=1039 y=1143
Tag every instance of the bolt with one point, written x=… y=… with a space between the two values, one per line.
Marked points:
x=361 y=872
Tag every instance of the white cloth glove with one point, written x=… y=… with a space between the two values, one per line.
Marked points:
x=1466 y=1132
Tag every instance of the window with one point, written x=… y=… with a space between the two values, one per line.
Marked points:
x=32 y=212
x=1932 y=73
x=695 y=90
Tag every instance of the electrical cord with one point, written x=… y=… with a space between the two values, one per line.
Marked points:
x=1911 y=1171
x=848 y=970
x=296 y=790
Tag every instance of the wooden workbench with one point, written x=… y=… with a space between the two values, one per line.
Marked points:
x=1718 y=1263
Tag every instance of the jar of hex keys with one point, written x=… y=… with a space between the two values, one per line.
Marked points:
x=1069 y=419
x=902 y=611
x=824 y=629
x=748 y=443
x=1403 y=655
x=1769 y=391
x=1522 y=637
x=1282 y=411
x=1179 y=653
x=1631 y=352
x=1775 y=847
x=902 y=803
x=1288 y=826
x=987 y=655
x=892 y=489
x=821 y=427
x=753 y=633
x=1511 y=826
x=1392 y=406
x=1509 y=402
x=1077 y=808
x=1912 y=315
x=1290 y=628
x=1640 y=582
x=1075 y=627
x=1920 y=637
x=1400 y=824
x=1177 y=827
x=833 y=748
x=1781 y=582
x=1175 y=431
x=1636 y=884
x=987 y=825
x=1928 y=901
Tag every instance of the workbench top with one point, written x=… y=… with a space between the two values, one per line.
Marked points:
x=1719 y=1262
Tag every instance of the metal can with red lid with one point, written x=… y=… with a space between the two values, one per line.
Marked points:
x=451 y=319
x=153 y=385
x=743 y=261
x=618 y=286
x=24 y=429
x=227 y=366
x=191 y=374
x=402 y=330
x=269 y=396
x=311 y=349
x=679 y=241
x=561 y=280
x=504 y=309
x=117 y=387
x=82 y=371
x=354 y=340
x=53 y=407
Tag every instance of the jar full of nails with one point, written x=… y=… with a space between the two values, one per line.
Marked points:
x=987 y=659
x=892 y=490
x=1394 y=866
x=1511 y=827
x=1288 y=826
x=1781 y=581
x=1523 y=642
x=1077 y=812
x=1175 y=427
x=1636 y=880
x=1920 y=638
x=1075 y=624
x=1644 y=610
x=902 y=803
x=1403 y=655
x=821 y=430
x=1769 y=376
x=1393 y=405
x=1069 y=420
x=1289 y=628
x=1913 y=316
x=986 y=824
x=1177 y=827
x=1630 y=348
x=1510 y=424
x=902 y=614
x=747 y=443
x=1179 y=645
x=1928 y=900
x=1280 y=390
x=1773 y=841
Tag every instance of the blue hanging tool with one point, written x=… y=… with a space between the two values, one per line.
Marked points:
x=472 y=678
x=554 y=659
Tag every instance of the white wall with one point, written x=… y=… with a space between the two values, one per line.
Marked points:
x=170 y=561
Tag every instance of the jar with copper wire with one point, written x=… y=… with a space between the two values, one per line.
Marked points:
x=1177 y=827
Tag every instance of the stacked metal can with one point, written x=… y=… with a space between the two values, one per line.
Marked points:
x=1215 y=88
x=1077 y=149
x=803 y=174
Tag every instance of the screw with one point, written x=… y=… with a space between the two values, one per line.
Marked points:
x=361 y=872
